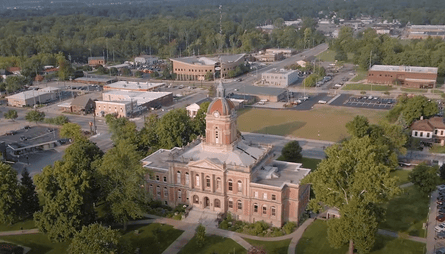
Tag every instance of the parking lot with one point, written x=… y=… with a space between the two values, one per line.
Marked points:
x=364 y=102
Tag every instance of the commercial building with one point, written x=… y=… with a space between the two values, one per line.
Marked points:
x=425 y=31
x=133 y=86
x=429 y=130
x=222 y=173
x=280 y=78
x=95 y=61
x=80 y=105
x=143 y=99
x=286 y=52
x=33 y=97
x=408 y=76
x=267 y=57
x=119 y=108
x=272 y=94
x=94 y=81
x=196 y=68
x=146 y=59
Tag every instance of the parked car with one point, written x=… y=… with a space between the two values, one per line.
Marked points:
x=440 y=227
x=440 y=250
x=322 y=102
x=441 y=188
x=23 y=138
x=27 y=127
x=10 y=133
x=440 y=235
x=441 y=218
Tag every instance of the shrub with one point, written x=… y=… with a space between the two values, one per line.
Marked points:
x=224 y=225
x=177 y=217
x=362 y=92
x=200 y=235
x=58 y=120
x=276 y=232
x=289 y=227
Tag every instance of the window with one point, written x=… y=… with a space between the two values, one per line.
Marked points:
x=240 y=205
x=230 y=185
x=197 y=179
x=157 y=178
x=264 y=209
x=216 y=135
x=158 y=191
x=427 y=134
x=230 y=203
x=178 y=177
x=165 y=192
x=165 y=202
x=274 y=197
x=218 y=183
x=255 y=208
x=272 y=210
x=265 y=196
x=240 y=186
x=179 y=194
x=208 y=181
x=421 y=134
x=217 y=203
x=187 y=178
x=441 y=133
x=415 y=134
x=435 y=132
x=256 y=194
x=195 y=199
x=165 y=179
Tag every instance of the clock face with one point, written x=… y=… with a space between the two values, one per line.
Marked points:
x=216 y=114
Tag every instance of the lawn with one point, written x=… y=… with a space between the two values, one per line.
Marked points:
x=329 y=56
x=407 y=212
x=276 y=247
x=39 y=243
x=314 y=241
x=437 y=149
x=413 y=90
x=213 y=244
x=323 y=122
x=360 y=76
x=437 y=91
x=152 y=238
x=27 y=224
x=367 y=87
x=402 y=175
x=307 y=162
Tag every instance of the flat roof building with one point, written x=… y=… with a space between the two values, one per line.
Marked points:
x=133 y=86
x=95 y=80
x=32 y=97
x=118 y=108
x=144 y=99
x=425 y=31
x=146 y=59
x=286 y=52
x=196 y=68
x=408 y=76
x=271 y=94
x=279 y=78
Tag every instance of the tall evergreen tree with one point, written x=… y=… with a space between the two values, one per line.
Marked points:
x=9 y=194
x=30 y=201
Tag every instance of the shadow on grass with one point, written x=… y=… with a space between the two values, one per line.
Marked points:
x=282 y=129
x=213 y=244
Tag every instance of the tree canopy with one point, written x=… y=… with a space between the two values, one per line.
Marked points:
x=35 y=116
x=411 y=109
x=425 y=178
x=10 y=195
x=95 y=238
x=292 y=151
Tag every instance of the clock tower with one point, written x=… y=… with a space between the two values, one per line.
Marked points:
x=221 y=127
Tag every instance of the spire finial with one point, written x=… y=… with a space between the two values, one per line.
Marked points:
x=220 y=90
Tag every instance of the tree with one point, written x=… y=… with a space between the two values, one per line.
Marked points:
x=354 y=178
x=11 y=114
x=149 y=135
x=175 y=129
x=200 y=235
x=29 y=201
x=341 y=56
x=95 y=238
x=70 y=190
x=122 y=183
x=9 y=194
x=199 y=122
x=35 y=116
x=114 y=71
x=292 y=151
x=442 y=171
x=412 y=109
x=126 y=72
x=310 y=80
x=358 y=127
x=72 y=131
x=122 y=128
x=424 y=178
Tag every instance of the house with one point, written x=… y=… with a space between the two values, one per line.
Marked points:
x=429 y=130
x=82 y=105
x=408 y=76
x=222 y=173
x=14 y=70
x=95 y=61
x=192 y=110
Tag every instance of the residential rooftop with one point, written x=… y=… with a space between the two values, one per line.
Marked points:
x=414 y=69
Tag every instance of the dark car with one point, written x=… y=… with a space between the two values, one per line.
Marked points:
x=10 y=133
x=27 y=127
x=23 y=138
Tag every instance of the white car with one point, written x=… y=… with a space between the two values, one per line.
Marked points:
x=441 y=187
x=440 y=227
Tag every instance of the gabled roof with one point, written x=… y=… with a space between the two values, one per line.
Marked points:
x=428 y=124
x=81 y=101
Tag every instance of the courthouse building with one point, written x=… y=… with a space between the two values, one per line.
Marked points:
x=223 y=173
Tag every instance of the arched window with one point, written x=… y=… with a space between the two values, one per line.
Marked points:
x=208 y=181
x=255 y=208
x=165 y=192
x=216 y=135
x=197 y=179
x=230 y=203
x=240 y=205
x=264 y=209
x=240 y=186
x=178 y=177
x=179 y=194
x=157 y=178
x=195 y=199
x=158 y=191
x=230 y=185
x=218 y=183
x=187 y=178
x=272 y=210
x=217 y=203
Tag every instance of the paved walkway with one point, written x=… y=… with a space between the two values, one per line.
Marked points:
x=396 y=235
x=430 y=241
x=20 y=232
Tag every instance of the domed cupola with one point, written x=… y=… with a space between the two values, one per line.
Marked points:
x=220 y=105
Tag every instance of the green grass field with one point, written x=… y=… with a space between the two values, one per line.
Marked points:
x=329 y=56
x=213 y=244
x=412 y=90
x=315 y=241
x=328 y=121
x=27 y=224
x=360 y=76
x=407 y=212
x=278 y=247
x=39 y=243
x=437 y=91
x=152 y=238
x=402 y=175
x=437 y=149
x=367 y=87
x=307 y=162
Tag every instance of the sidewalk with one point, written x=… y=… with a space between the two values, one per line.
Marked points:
x=396 y=235
x=20 y=232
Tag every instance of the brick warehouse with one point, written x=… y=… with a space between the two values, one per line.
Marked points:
x=223 y=173
x=408 y=76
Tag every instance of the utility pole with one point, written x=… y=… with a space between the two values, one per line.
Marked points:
x=370 y=64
